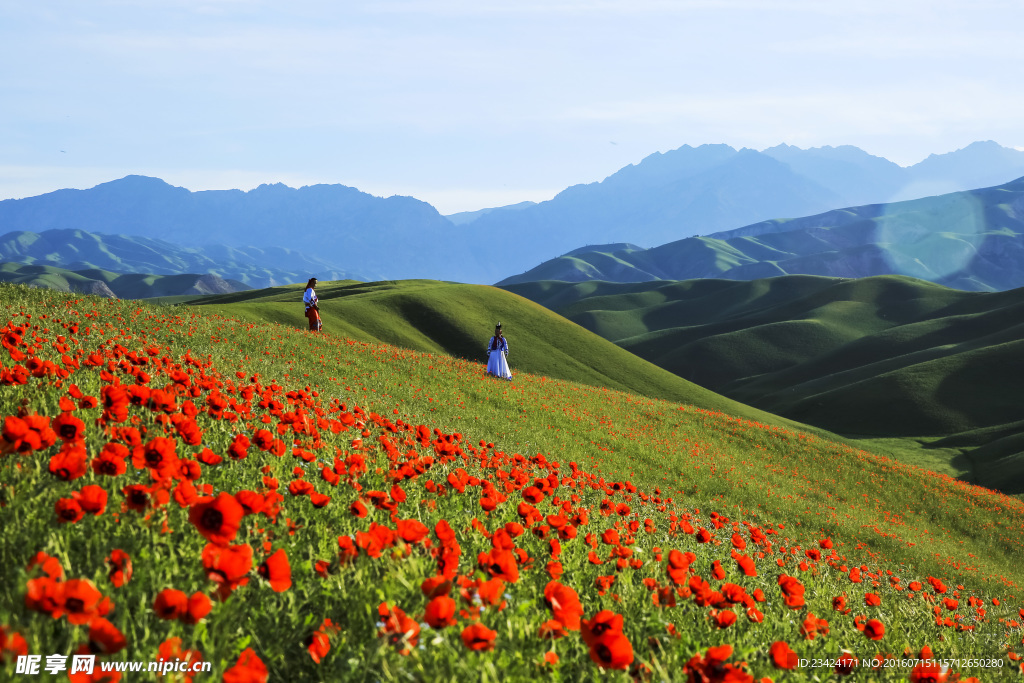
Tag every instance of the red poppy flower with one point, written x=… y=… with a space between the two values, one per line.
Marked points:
x=79 y=599
x=12 y=645
x=318 y=646
x=228 y=566
x=68 y=510
x=92 y=499
x=725 y=618
x=603 y=622
x=248 y=669
x=435 y=586
x=217 y=518
x=783 y=656
x=411 y=530
x=500 y=564
x=553 y=629
x=565 y=604
x=440 y=612
x=872 y=600
x=70 y=462
x=111 y=460
x=199 y=605
x=277 y=571
x=612 y=651
x=401 y=631
x=929 y=671
x=120 y=567
x=68 y=427
x=874 y=629
x=136 y=497
x=158 y=455
x=105 y=638
x=478 y=637
x=170 y=603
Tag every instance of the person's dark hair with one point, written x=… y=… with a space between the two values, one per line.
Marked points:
x=310 y=283
x=494 y=339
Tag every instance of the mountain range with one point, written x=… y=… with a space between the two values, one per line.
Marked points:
x=118 y=285
x=665 y=197
x=78 y=250
x=968 y=240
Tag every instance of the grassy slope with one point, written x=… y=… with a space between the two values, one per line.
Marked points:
x=458 y=319
x=699 y=452
x=877 y=510
x=900 y=361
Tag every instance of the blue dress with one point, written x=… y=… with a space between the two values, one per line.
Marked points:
x=496 y=363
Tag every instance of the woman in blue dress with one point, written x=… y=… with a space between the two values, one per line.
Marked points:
x=497 y=349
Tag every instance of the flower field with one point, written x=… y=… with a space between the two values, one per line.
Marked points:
x=290 y=507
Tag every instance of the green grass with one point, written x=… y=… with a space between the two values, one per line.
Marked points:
x=901 y=363
x=801 y=488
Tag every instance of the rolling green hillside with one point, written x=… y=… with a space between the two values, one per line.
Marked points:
x=458 y=319
x=890 y=359
x=121 y=285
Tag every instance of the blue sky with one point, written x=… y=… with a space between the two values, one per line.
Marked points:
x=476 y=103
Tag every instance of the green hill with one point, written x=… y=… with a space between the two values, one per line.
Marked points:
x=905 y=363
x=458 y=319
x=121 y=285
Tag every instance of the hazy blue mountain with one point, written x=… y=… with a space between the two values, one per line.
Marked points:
x=966 y=240
x=704 y=190
x=664 y=198
x=851 y=173
x=684 y=192
x=80 y=250
x=463 y=217
x=980 y=164
x=353 y=231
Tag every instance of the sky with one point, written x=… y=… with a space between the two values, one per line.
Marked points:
x=468 y=104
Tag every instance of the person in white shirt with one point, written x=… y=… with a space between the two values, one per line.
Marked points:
x=312 y=309
x=497 y=349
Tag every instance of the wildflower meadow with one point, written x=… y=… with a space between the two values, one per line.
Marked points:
x=289 y=506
